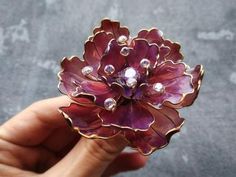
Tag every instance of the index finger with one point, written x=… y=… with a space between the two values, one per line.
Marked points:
x=35 y=123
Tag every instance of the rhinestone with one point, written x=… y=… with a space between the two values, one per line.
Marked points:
x=109 y=69
x=130 y=72
x=87 y=70
x=124 y=51
x=145 y=63
x=122 y=39
x=131 y=82
x=109 y=104
x=158 y=87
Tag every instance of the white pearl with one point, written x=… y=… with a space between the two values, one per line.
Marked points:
x=158 y=87
x=145 y=63
x=122 y=39
x=87 y=70
x=131 y=82
x=109 y=69
x=124 y=51
x=130 y=72
x=110 y=104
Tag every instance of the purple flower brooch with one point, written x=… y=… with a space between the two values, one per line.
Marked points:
x=128 y=86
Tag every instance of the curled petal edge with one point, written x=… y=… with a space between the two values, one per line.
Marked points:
x=183 y=95
x=93 y=136
x=168 y=137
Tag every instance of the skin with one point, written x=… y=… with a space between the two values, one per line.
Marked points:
x=38 y=142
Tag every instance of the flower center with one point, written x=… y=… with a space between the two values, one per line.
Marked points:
x=130 y=72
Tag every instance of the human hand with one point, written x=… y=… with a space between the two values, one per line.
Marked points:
x=38 y=142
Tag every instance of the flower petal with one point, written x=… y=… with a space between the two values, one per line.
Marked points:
x=85 y=120
x=112 y=57
x=168 y=50
x=152 y=36
x=167 y=122
x=70 y=74
x=140 y=51
x=131 y=116
x=95 y=49
x=112 y=27
x=99 y=90
x=177 y=83
x=197 y=74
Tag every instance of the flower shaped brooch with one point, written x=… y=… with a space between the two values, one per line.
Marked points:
x=128 y=86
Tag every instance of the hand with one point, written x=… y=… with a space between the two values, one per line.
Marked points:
x=38 y=142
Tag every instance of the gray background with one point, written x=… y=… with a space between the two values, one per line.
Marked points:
x=36 y=34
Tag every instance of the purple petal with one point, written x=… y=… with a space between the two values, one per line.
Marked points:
x=95 y=49
x=140 y=51
x=114 y=58
x=70 y=74
x=99 y=90
x=112 y=27
x=86 y=121
x=131 y=115
x=152 y=36
x=197 y=74
x=175 y=81
x=167 y=122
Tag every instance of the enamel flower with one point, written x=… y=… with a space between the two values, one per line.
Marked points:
x=128 y=86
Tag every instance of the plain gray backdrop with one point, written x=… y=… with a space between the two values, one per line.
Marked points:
x=36 y=34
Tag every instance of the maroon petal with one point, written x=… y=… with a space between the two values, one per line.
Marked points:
x=70 y=74
x=167 y=122
x=112 y=57
x=140 y=51
x=197 y=75
x=152 y=36
x=98 y=90
x=131 y=115
x=95 y=49
x=168 y=50
x=174 y=54
x=86 y=121
x=112 y=27
x=177 y=83
x=146 y=141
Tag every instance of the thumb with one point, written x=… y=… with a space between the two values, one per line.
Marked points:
x=89 y=158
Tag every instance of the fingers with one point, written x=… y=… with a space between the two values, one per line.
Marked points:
x=89 y=158
x=126 y=162
x=35 y=123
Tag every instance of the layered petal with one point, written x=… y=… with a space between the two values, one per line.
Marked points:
x=95 y=48
x=173 y=79
x=168 y=50
x=112 y=27
x=70 y=74
x=99 y=91
x=152 y=36
x=74 y=84
x=142 y=50
x=113 y=58
x=197 y=74
x=167 y=122
x=86 y=122
x=130 y=115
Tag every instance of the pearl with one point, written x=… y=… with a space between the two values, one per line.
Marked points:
x=87 y=70
x=122 y=39
x=158 y=87
x=145 y=63
x=131 y=82
x=130 y=72
x=110 y=104
x=109 y=69
x=124 y=51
